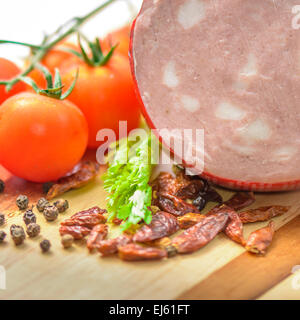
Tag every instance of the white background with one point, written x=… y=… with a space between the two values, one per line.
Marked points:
x=27 y=20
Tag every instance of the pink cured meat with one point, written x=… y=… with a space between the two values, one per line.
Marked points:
x=232 y=68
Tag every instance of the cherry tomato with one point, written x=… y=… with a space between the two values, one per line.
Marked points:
x=104 y=94
x=120 y=37
x=54 y=59
x=41 y=138
x=9 y=70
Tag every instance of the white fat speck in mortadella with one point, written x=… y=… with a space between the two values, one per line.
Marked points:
x=190 y=13
x=230 y=67
x=170 y=78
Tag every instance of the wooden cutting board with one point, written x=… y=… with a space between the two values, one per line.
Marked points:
x=221 y=270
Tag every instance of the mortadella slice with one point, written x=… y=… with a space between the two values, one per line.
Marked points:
x=231 y=68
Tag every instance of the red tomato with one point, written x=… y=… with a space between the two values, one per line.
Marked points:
x=54 y=59
x=120 y=37
x=104 y=94
x=9 y=70
x=41 y=138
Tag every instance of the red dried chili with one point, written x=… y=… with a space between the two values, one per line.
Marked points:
x=234 y=228
x=87 y=218
x=259 y=240
x=190 y=219
x=172 y=204
x=240 y=200
x=98 y=233
x=78 y=232
x=262 y=213
x=200 y=234
x=87 y=172
x=110 y=246
x=162 y=224
x=135 y=252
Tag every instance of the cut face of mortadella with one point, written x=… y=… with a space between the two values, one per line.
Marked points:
x=232 y=68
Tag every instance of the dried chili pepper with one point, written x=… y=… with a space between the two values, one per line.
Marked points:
x=190 y=219
x=135 y=252
x=162 y=224
x=91 y=211
x=172 y=204
x=262 y=213
x=240 y=200
x=191 y=190
x=234 y=229
x=166 y=244
x=78 y=232
x=211 y=195
x=84 y=175
x=181 y=186
x=110 y=246
x=98 y=233
x=201 y=234
x=259 y=240
x=165 y=182
x=87 y=218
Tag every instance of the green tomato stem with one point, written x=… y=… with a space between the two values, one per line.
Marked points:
x=42 y=50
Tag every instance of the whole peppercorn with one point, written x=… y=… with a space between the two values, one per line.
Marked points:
x=22 y=202
x=2 y=236
x=2 y=219
x=17 y=234
x=42 y=204
x=67 y=241
x=12 y=227
x=29 y=217
x=62 y=205
x=50 y=213
x=33 y=230
x=2 y=185
x=45 y=245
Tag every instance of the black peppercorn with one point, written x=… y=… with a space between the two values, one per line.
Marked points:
x=42 y=204
x=2 y=235
x=62 y=205
x=33 y=230
x=17 y=234
x=29 y=217
x=22 y=202
x=45 y=245
x=50 y=213
x=2 y=185
x=2 y=219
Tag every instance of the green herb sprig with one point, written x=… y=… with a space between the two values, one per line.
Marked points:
x=127 y=182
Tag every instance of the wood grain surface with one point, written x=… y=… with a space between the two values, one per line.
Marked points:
x=222 y=269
